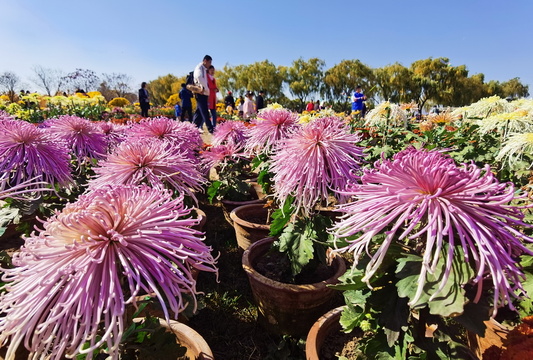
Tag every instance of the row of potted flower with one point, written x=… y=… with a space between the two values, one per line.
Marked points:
x=118 y=203
x=421 y=229
x=433 y=244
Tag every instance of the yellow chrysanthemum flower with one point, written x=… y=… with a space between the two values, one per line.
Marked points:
x=304 y=119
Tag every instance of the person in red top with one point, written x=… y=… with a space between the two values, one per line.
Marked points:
x=212 y=100
x=310 y=106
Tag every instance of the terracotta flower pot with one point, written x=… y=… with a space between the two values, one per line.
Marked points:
x=249 y=222
x=288 y=308
x=495 y=335
x=256 y=188
x=197 y=347
x=321 y=329
x=228 y=206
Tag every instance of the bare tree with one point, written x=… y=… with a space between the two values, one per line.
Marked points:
x=9 y=81
x=82 y=79
x=119 y=83
x=50 y=80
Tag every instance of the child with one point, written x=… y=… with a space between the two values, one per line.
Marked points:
x=177 y=111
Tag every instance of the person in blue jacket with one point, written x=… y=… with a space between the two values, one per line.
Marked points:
x=177 y=111
x=358 y=101
x=186 y=103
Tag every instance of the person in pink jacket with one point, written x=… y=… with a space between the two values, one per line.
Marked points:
x=249 y=106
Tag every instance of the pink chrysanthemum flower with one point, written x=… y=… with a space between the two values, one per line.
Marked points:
x=230 y=133
x=77 y=275
x=85 y=139
x=149 y=161
x=27 y=152
x=181 y=134
x=424 y=196
x=270 y=126
x=218 y=155
x=320 y=159
x=4 y=116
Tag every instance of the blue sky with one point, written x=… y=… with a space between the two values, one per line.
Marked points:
x=153 y=38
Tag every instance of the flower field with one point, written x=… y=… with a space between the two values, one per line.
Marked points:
x=432 y=217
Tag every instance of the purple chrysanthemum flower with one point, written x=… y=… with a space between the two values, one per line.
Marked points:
x=30 y=186
x=114 y=133
x=230 y=133
x=270 y=126
x=92 y=259
x=27 y=152
x=85 y=139
x=181 y=134
x=320 y=159
x=149 y=161
x=424 y=194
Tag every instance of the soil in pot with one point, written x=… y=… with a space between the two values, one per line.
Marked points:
x=276 y=266
x=285 y=308
x=343 y=344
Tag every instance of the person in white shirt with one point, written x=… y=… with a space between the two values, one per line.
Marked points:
x=200 y=78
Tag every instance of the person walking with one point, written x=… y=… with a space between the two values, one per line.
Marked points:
x=144 y=100
x=212 y=101
x=259 y=101
x=186 y=103
x=201 y=115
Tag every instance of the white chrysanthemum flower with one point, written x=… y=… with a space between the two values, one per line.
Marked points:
x=516 y=121
x=488 y=107
x=523 y=104
x=515 y=147
x=386 y=113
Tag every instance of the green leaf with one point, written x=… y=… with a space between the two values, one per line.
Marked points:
x=351 y=317
x=297 y=241
x=280 y=217
x=474 y=317
x=212 y=190
x=451 y=299
x=525 y=306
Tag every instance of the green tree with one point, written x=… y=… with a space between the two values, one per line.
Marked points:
x=469 y=90
x=514 y=89
x=393 y=83
x=435 y=80
x=340 y=81
x=304 y=78
x=162 y=88
x=262 y=75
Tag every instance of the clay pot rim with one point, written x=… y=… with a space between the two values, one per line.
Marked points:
x=235 y=217
x=329 y=321
x=186 y=331
x=240 y=203
x=247 y=265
